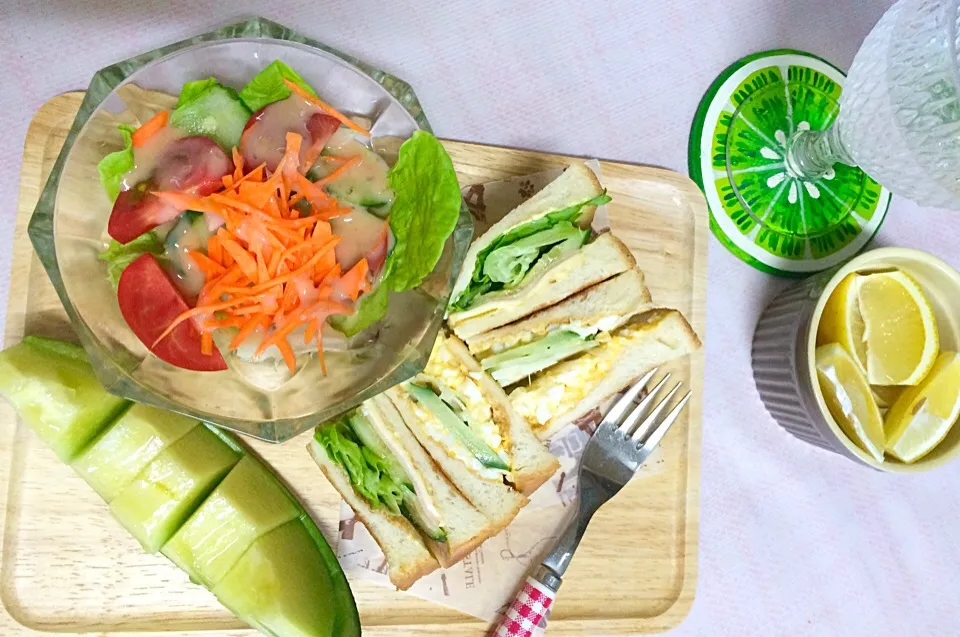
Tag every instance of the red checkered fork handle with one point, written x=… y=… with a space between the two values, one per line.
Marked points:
x=529 y=610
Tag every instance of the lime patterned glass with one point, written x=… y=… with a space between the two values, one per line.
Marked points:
x=68 y=229
x=900 y=112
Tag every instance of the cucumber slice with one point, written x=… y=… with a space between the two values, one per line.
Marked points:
x=369 y=438
x=216 y=113
x=118 y=456
x=171 y=487
x=190 y=233
x=247 y=505
x=413 y=511
x=523 y=361
x=187 y=233
x=54 y=390
x=284 y=563
x=365 y=183
x=480 y=450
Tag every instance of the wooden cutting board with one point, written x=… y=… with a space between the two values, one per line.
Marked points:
x=67 y=567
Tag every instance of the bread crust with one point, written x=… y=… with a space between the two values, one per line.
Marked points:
x=401 y=574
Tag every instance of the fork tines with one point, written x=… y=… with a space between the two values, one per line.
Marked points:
x=643 y=424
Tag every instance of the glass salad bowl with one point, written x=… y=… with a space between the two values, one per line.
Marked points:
x=69 y=230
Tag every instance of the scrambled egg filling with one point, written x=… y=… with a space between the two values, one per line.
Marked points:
x=556 y=393
x=459 y=388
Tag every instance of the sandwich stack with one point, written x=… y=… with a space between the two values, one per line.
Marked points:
x=548 y=320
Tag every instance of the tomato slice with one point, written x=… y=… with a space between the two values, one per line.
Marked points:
x=378 y=254
x=136 y=211
x=321 y=128
x=149 y=303
x=193 y=165
x=264 y=136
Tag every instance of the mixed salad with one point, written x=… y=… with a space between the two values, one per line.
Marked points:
x=258 y=223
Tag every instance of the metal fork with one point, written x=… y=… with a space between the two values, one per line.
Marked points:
x=625 y=438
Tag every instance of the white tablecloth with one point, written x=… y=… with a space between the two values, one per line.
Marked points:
x=794 y=540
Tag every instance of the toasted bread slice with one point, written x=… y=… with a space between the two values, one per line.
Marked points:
x=603 y=307
x=465 y=526
x=486 y=491
x=408 y=558
x=603 y=258
x=565 y=392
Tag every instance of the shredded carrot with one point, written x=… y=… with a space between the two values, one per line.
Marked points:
x=354 y=279
x=206 y=343
x=258 y=320
x=338 y=172
x=326 y=108
x=198 y=311
x=288 y=356
x=237 y=165
x=208 y=266
x=149 y=128
x=272 y=266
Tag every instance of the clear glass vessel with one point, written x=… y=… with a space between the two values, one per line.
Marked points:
x=899 y=117
x=68 y=229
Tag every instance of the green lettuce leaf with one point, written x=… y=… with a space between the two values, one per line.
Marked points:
x=481 y=282
x=267 y=86
x=371 y=307
x=425 y=209
x=114 y=166
x=424 y=214
x=216 y=112
x=368 y=473
x=118 y=256
x=193 y=90
x=509 y=264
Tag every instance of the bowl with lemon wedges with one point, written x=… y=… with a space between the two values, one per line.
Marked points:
x=865 y=360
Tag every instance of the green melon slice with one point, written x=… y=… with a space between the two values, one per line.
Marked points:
x=281 y=586
x=118 y=456
x=170 y=488
x=158 y=468
x=55 y=392
x=248 y=504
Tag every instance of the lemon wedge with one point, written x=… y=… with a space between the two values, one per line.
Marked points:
x=850 y=399
x=900 y=331
x=841 y=321
x=922 y=415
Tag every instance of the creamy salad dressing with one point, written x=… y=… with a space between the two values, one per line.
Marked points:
x=365 y=183
x=146 y=157
x=266 y=139
x=359 y=232
x=182 y=239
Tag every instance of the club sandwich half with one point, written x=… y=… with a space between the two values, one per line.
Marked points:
x=562 y=392
x=434 y=466
x=539 y=254
x=417 y=517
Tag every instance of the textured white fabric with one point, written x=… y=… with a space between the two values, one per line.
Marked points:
x=794 y=541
